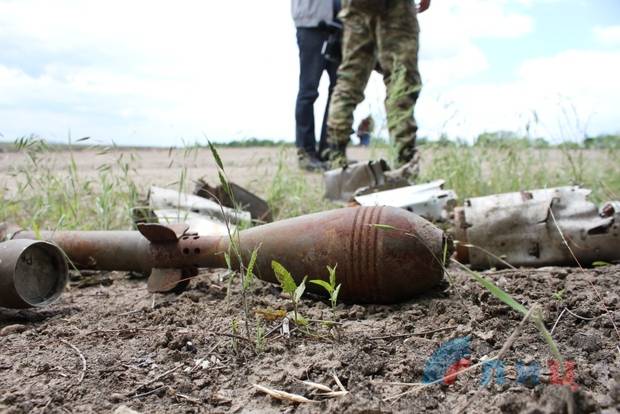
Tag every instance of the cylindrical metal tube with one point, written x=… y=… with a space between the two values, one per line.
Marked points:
x=32 y=273
x=131 y=251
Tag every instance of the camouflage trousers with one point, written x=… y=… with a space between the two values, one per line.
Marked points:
x=389 y=37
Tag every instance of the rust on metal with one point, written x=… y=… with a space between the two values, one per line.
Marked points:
x=382 y=254
x=159 y=233
x=244 y=199
x=32 y=273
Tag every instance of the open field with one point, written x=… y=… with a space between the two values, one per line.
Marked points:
x=189 y=352
x=94 y=188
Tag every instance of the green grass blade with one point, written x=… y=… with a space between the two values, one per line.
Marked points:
x=216 y=155
x=249 y=274
x=495 y=290
x=548 y=338
x=384 y=226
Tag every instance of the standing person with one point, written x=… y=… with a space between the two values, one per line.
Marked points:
x=365 y=129
x=318 y=39
x=385 y=31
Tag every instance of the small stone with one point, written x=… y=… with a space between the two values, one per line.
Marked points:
x=116 y=397
x=12 y=329
x=123 y=409
x=560 y=274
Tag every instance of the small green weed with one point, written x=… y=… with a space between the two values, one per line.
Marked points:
x=289 y=286
x=260 y=337
x=330 y=287
x=559 y=295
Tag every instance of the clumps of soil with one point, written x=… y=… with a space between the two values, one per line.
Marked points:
x=188 y=352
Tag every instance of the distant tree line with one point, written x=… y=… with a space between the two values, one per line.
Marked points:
x=497 y=139
x=511 y=139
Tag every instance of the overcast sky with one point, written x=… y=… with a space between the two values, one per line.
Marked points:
x=163 y=73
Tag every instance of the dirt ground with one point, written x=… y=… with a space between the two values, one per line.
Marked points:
x=170 y=353
x=107 y=343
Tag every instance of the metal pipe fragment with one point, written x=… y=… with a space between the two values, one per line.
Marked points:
x=383 y=254
x=32 y=273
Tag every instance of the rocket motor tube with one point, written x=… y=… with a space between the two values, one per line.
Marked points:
x=131 y=251
x=32 y=273
x=382 y=254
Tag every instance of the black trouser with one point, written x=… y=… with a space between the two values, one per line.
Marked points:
x=311 y=67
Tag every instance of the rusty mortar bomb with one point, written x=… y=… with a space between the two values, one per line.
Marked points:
x=382 y=254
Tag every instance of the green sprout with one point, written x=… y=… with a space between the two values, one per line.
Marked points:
x=289 y=286
x=330 y=287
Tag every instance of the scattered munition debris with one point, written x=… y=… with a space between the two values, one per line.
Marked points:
x=523 y=229
x=383 y=254
x=32 y=273
x=246 y=200
x=342 y=184
x=203 y=216
x=165 y=199
x=198 y=223
x=428 y=200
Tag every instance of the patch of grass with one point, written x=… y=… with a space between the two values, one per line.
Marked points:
x=44 y=194
x=480 y=170
x=291 y=193
x=48 y=197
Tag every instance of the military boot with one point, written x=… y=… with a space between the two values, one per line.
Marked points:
x=336 y=155
x=409 y=170
x=309 y=162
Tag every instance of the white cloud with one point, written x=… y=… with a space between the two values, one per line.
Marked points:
x=572 y=93
x=153 y=72
x=472 y=19
x=609 y=35
x=190 y=67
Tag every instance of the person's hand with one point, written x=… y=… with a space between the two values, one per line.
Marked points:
x=424 y=4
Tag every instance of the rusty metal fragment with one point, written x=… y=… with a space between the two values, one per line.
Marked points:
x=383 y=254
x=526 y=228
x=159 y=233
x=32 y=273
x=245 y=200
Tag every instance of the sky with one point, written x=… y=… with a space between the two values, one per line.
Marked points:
x=163 y=73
